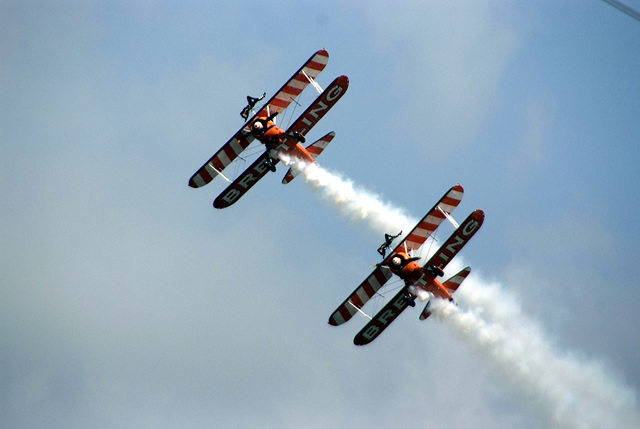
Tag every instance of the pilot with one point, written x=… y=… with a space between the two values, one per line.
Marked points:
x=258 y=129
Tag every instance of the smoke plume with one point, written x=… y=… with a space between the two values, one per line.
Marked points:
x=353 y=201
x=570 y=390
x=566 y=387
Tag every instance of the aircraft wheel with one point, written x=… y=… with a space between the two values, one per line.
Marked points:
x=436 y=270
x=299 y=137
x=409 y=301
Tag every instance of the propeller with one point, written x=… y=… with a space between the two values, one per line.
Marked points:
x=397 y=262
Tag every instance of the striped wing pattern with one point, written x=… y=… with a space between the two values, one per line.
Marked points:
x=279 y=102
x=360 y=296
x=317 y=147
x=454 y=282
x=427 y=226
x=218 y=162
x=290 y=90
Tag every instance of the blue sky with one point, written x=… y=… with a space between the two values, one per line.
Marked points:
x=128 y=301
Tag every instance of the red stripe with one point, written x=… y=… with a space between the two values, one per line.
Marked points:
x=280 y=103
x=344 y=312
x=204 y=174
x=368 y=289
x=429 y=226
x=300 y=78
x=290 y=90
x=316 y=66
x=228 y=150
x=242 y=140
x=415 y=238
x=217 y=163
x=435 y=213
x=382 y=279
x=355 y=299
x=450 y=201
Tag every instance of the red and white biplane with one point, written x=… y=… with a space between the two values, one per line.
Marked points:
x=262 y=127
x=417 y=279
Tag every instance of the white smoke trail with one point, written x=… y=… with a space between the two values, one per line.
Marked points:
x=572 y=392
x=353 y=201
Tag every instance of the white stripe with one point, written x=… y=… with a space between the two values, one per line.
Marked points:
x=337 y=317
x=224 y=159
x=211 y=170
x=447 y=207
x=298 y=84
x=236 y=146
x=198 y=181
x=362 y=294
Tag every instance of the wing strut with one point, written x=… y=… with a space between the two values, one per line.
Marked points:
x=220 y=173
x=359 y=310
x=449 y=218
x=313 y=82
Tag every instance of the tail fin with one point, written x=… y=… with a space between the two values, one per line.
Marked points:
x=451 y=285
x=314 y=149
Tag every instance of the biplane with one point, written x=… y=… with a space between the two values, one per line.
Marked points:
x=419 y=280
x=262 y=127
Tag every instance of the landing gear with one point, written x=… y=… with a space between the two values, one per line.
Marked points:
x=299 y=137
x=435 y=270
x=270 y=165
x=409 y=300
x=269 y=162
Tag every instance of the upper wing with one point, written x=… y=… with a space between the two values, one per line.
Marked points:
x=219 y=161
x=280 y=101
x=360 y=296
x=432 y=220
x=298 y=82
x=416 y=238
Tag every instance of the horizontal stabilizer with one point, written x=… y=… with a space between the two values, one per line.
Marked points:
x=454 y=282
x=314 y=149
x=451 y=285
